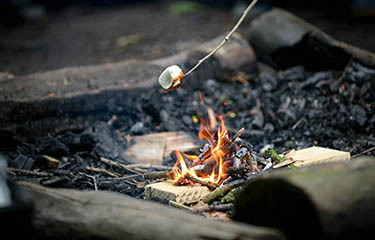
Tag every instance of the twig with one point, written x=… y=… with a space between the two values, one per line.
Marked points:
x=155 y=175
x=179 y=205
x=238 y=134
x=298 y=123
x=221 y=191
x=27 y=172
x=285 y=163
x=117 y=164
x=364 y=152
x=219 y=207
x=101 y=170
x=149 y=175
x=93 y=179
x=211 y=186
x=225 y=39
x=147 y=165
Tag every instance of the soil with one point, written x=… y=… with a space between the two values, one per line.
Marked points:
x=80 y=35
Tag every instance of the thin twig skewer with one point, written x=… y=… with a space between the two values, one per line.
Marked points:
x=101 y=170
x=28 y=173
x=244 y=14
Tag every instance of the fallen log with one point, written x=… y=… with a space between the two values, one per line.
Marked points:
x=335 y=201
x=282 y=39
x=72 y=214
x=74 y=98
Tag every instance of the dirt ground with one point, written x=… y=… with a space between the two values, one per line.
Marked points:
x=84 y=35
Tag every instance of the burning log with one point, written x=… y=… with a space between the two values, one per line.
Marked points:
x=335 y=200
x=63 y=213
x=220 y=158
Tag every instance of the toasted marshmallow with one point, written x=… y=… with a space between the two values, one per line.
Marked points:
x=171 y=78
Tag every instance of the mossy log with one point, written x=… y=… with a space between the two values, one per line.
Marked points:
x=333 y=201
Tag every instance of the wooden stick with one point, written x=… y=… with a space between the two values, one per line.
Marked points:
x=179 y=205
x=211 y=186
x=102 y=170
x=364 y=152
x=156 y=175
x=28 y=173
x=238 y=134
x=221 y=191
x=148 y=165
x=244 y=14
x=220 y=207
x=117 y=164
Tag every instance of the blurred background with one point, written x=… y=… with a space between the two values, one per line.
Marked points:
x=41 y=35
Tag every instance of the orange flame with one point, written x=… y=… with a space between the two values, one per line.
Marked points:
x=213 y=157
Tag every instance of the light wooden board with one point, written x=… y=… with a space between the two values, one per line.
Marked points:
x=152 y=148
x=316 y=155
x=180 y=194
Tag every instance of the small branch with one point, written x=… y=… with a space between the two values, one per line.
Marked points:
x=238 y=134
x=147 y=165
x=219 y=207
x=93 y=179
x=285 y=163
x=221 y=191
x=244 y=14
x=117 y=164
x=156 y=175
x=101 y=170
x=28 y=173
x=211 y=186
x=364 y=152
x=298 y=123
x=179 y=205
x=149 y=175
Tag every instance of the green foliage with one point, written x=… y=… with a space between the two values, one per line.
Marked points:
x=184 y=7
x=276 y=157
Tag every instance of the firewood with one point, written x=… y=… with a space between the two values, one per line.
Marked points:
x=72 y=214
x=316 y=155
x=180 y=194
x=284 y=39
x=28 y=173
x=335 y=200
x=152 y=148
x=221 y=191
x=51 y=162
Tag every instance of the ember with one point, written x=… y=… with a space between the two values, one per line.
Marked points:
x=218 y=159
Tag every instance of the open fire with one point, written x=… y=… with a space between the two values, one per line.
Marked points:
x=218 y=159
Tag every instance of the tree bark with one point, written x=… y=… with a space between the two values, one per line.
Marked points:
x=284 y=40
x=333 y=200
x=72 y=214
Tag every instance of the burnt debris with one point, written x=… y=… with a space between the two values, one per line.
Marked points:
x=293 y=108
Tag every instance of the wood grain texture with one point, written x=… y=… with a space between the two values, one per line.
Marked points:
x=72 y=214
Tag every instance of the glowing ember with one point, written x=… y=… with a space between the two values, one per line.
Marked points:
x=212 y=157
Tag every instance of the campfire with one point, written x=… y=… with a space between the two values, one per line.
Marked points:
x=220 y=158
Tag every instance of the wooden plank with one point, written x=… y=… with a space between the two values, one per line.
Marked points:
x=152 y=148
x=316 y=155
x=180 y=194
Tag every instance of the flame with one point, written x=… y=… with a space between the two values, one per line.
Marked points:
x=213 y=157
